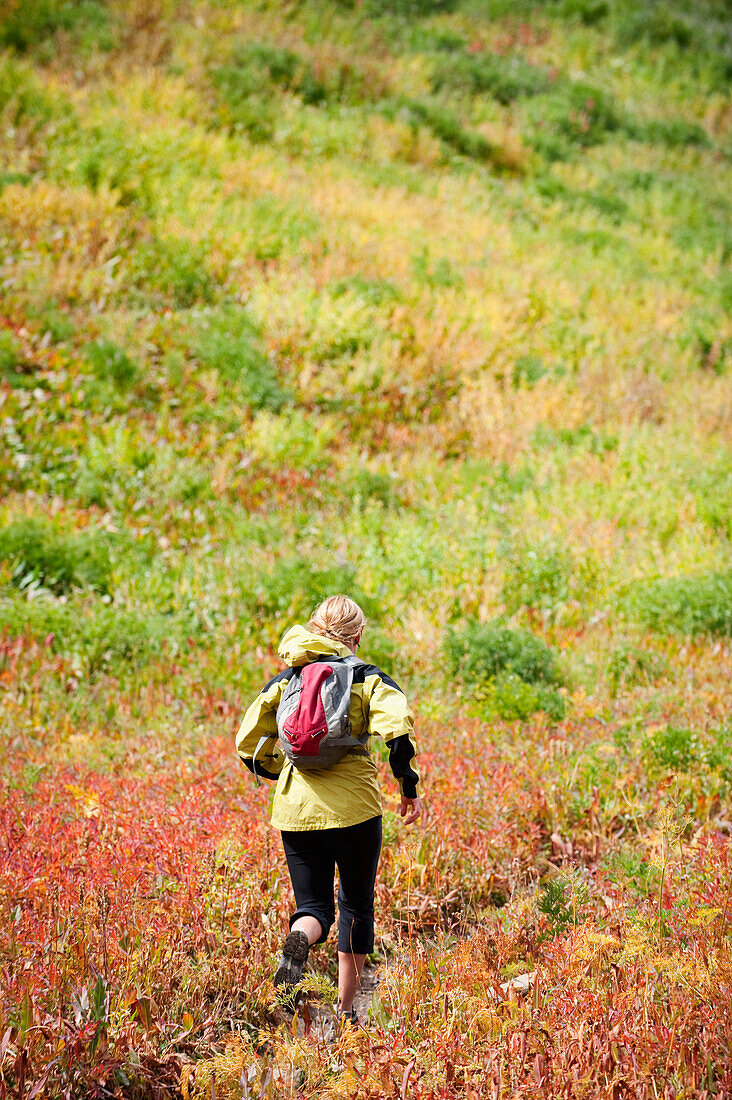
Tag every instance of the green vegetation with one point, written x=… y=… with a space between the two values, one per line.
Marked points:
x=694 y=605
x=479 y=651
x=511 y=671
x=436 y=294
x=41 y=556
x=428 y=301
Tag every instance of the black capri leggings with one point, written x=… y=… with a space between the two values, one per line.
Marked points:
x=312 y=857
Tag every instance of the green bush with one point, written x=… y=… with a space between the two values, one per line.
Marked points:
x=693 y=605
x=574 y=116
x=229 y=343
x=296 y=586
x=693 y=36
x=538 y=578
x=23 y=99
x=674 y=132
x=111 y=364
x=97 y=637
x=504 y=78
x=673 y=747
x=445 y=126
x=712 y=488
x=656 y=24
x=585 y=115
x=256 y=70
x=563 y=900
x=244 y=87
x=703 y=335
x=53 y=321
x=276 y=227
x=374 y=487
x=589 y=12
x=10 y=352
x=527 y=370
x=42 y=556
x=583 y=436
x=513 y=699
x=415 y=9
x=27 y=23
x=375 y=292
x=480 y=652
x=173 y=272
x=680 y=748
x=632 y=666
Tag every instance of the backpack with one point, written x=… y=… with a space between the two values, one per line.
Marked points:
x=313 y=717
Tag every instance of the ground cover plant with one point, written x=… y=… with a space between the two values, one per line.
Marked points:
x=428 y=302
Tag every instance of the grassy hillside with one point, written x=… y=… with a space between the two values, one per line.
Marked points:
x=429 y=301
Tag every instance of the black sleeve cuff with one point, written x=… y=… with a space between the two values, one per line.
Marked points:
x=401 y=754
x=261 y=772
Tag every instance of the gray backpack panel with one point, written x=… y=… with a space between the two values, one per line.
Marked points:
x=335 y=694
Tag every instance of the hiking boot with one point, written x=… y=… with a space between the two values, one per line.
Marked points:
x=349 y=1017
x=294 y=955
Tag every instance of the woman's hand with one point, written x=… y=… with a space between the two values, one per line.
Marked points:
x=410 y=809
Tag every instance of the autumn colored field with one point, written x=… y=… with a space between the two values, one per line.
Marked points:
x=427 y=301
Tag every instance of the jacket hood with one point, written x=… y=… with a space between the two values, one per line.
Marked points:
x=300 y=646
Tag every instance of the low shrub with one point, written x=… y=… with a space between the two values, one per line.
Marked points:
x=439 y=274
x=229 y=343
x=693 y=36
x=684 y=749
x=527 y=370
x=375 y=292
x=23 y=99
x=173 y=272
x=712 y=488
x=563 y=900
x=244 y=86
x=631 y=666
x=583 y=436
x=10 y=353
x=96 y=637
x=25 y=24
x=255 y=70
x=537 y=578
x=674 y=747
x=675 y=132
x=693 y=605
x=447 y=127
x=111 y=364
x=704 y=336
x=54 y=321
x=512 y=699
x=574 y=116
x=655 y=24
x=41 y=556
x=479 y=652
x=373 y=487
x=504 y=78
x=276 y=227
x=296 y=586
x=415 y=9
x=589 y=12
x=289 y=439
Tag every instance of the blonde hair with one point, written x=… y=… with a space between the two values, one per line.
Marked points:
x=340 y=618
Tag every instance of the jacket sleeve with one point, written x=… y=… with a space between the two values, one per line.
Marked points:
x=260 y=721
x=391 y=718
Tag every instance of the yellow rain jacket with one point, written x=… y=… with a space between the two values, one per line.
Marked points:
x=348 y=792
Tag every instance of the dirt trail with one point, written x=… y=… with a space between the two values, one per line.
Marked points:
x=322 y=1016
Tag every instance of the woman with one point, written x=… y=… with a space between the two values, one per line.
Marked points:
x=332 y=816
